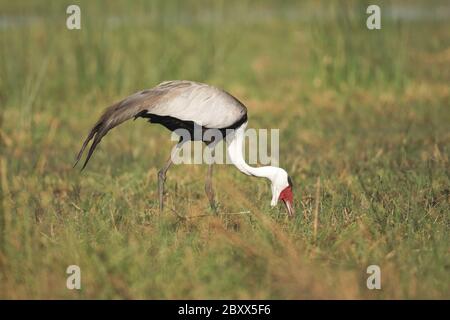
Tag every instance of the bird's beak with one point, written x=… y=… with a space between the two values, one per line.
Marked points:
x=289 y=208
x=288 y=198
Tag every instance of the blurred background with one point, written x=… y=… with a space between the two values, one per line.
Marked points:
x=364 y=132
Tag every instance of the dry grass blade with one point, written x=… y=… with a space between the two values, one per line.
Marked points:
x=316 y=209
x=48 y=141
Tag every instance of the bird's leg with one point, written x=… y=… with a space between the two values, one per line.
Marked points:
x=162 y=174
x=161 y=180
x=209 y=189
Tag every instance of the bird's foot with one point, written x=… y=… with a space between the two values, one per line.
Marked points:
x=214 y=206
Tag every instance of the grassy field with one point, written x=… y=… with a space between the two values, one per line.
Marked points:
x=364 y=119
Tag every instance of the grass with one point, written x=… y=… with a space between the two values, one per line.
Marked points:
x=366 y=113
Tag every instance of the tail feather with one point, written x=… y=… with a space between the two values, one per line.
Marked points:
x=98 y=137
x=134 y=106
x=85 y=143
x=112 y=117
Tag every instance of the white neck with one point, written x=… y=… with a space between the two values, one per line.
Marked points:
x=277 y=176
x=237 y=158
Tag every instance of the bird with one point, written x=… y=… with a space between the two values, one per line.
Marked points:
x=182 y=104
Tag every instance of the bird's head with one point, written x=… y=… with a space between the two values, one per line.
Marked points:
x=282 y=190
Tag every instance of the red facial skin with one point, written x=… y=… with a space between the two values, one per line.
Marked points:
x=288 y=197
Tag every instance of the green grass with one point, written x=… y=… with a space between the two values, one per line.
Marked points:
x=366 y=111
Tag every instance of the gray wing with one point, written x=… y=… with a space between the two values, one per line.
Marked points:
x=203 y=104
x=185 y=100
